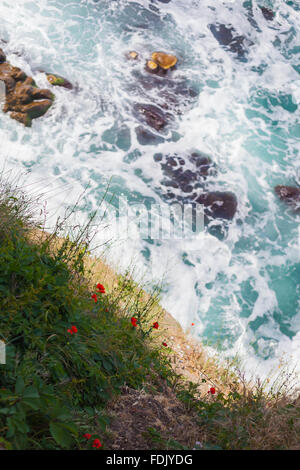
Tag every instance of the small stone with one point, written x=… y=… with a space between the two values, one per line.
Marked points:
x=57 y=80
x=151 y=67
x=132 y=55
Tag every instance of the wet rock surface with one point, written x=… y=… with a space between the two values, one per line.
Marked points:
x=166 y=95
x=290 y=195
x=218 y=204
x=57 y=80
x=186 y=174
x=185 y=179
x=151 y=115
x=268 y=14
x=23 y=99
x=227 y=37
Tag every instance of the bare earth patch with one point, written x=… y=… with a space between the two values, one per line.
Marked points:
x=135 y=411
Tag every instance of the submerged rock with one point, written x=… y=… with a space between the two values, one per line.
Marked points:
x=225 y=35
x=268 y=14
x=186 y=174
x=57 y=80
x=145 y=137
x=151 y=115
x=218 y=204
x=23 y=98
x=289 y=194
x=170 y=94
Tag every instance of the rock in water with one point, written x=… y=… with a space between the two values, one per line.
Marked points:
x=165 y=61
x=132 y=55
x=151 y=115
x=289 y=194
x=152 y=67
x=57 y=80
x=186 y=174
x=219 y=205
x=225 y=35
x=268 y=14
x=23 y=98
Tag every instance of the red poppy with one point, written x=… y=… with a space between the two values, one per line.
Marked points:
x=212 y=390
x=165 y=344
x=97 y=443
x=94 y=296
x=133 y=321
x=72 y=330
x=87 y=435
x=155 y=325
x=101 y=288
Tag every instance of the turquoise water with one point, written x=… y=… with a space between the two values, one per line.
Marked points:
x=240 y=289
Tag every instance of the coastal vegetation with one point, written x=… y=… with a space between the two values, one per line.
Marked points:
x=94 y=362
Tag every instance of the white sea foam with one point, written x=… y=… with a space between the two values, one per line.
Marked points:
x=234 y=289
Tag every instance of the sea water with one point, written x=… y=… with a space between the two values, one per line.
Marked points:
x=241 y=289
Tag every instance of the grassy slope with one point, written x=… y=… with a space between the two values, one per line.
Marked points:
x=110 y=379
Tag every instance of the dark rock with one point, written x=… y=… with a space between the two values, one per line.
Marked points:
x=2 y=56
x=188 y=174
x=185 y=173
x=268 y=14
x=289 y=194
x=225 y=35
x=23 y=98
x=219 y=205
x=151 y=115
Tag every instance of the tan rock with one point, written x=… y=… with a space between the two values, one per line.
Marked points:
x=165 y=61
x=22 y=93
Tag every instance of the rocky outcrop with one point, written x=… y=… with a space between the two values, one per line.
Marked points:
x=168 y=95
x=185 y=180
x=218 y=204
x=186 y=174
x=151 y=115
x=160 y=63
x=290 y=195
x=23 y=99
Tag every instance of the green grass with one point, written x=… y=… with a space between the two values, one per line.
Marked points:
x=54 y=384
